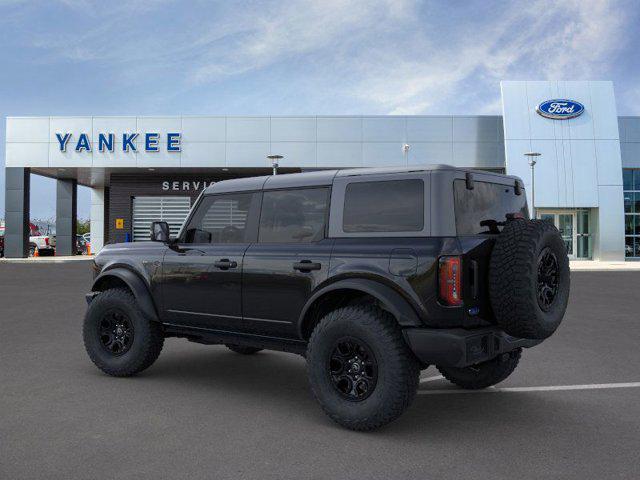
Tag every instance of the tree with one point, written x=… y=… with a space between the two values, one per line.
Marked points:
x=84 y=226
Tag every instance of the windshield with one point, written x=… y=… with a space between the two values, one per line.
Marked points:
x=484 y=209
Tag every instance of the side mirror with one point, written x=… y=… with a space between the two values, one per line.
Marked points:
x=160 y=232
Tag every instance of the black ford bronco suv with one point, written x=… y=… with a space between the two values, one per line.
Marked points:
x=371 y=274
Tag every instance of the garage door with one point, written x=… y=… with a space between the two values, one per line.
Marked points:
x=172 y=210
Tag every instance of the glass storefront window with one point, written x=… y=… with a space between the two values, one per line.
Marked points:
x=584 y=247
x=629 y=228
x=627 y=179
x=565 y=225
x=575 y=228
x=628 y=202
x=584 y=235
x=631 y=181
x=547 y=217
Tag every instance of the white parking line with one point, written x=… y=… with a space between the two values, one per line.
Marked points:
x=548 y=388
x=431 y=379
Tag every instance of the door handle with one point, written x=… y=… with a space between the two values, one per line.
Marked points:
x=306 y=266
x=225 y=264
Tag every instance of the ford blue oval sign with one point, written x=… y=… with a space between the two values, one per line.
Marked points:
x=560 y=109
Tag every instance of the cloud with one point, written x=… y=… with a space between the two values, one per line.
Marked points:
x=538 y=40
x=390 y=56
x=293 y=30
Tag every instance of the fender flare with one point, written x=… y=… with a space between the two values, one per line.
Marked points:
x=395 y=303
x=137 y=286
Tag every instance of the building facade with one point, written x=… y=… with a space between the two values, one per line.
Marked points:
x=152 y=168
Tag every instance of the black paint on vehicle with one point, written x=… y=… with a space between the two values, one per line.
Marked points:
x=372 y=274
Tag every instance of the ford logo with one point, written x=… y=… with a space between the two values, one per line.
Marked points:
x=560 y=109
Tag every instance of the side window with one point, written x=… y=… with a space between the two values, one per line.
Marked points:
x=384 y=206
x=293 y=216
x=220 y=219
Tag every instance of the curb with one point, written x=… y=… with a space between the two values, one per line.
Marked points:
x=47 y=260
x=604 y=266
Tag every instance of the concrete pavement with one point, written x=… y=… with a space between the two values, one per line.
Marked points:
x=205 y=412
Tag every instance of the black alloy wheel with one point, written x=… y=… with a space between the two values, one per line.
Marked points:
x=361 y=370
x=120 y=340
x=547 y=279
x=353 y=369
x=116 y=333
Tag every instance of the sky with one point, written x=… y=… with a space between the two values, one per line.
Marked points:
x=147 y=57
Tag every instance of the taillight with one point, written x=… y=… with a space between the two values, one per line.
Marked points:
x=450 y=281
x=46 y=241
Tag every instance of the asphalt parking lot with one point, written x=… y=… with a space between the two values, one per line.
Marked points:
x=205 y=412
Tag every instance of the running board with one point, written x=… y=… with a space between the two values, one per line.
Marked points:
x=215 y=337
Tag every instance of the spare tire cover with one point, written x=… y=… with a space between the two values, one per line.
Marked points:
x=529 y=278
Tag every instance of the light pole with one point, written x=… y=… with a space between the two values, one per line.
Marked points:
x=274 y=162
x=532 y=163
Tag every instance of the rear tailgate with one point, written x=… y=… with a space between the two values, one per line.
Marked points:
x=481 y=210
x=475 y=278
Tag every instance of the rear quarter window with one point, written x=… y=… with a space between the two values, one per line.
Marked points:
x=384 y=206
x=482 y=209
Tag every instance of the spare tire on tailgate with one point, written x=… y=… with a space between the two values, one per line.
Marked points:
x=529 y=278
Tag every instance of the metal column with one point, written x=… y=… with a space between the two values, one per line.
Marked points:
x=17 y=189
x=66 y=216
x=99 y=197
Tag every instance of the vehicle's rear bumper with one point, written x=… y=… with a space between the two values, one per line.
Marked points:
x=457 y=347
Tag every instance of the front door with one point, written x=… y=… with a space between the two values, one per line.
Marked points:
x=288 y=262
x=202 y=271
x=566 y=223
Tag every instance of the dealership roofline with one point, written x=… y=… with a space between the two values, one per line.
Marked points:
x=222 y=115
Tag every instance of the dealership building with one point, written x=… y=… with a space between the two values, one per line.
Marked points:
x=139 y=169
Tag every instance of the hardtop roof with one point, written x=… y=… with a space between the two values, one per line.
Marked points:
x=321 y=178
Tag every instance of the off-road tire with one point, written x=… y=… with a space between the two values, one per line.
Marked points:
x=514 y=277
x=148 y=337
x=241 y=349
x=484 y=374
x=398 y=370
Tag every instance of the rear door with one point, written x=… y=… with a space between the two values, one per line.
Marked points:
x=289 y=260
x=202 y=272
